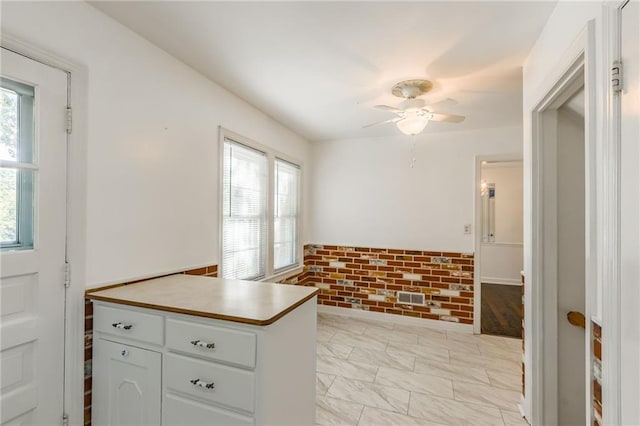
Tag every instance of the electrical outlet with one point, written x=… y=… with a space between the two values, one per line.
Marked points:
x=467 y=229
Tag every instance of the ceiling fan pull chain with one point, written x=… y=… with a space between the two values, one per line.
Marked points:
x=413 y=151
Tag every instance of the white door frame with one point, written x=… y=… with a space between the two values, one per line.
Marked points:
x=477 y=234
x=76 y=222
x=616 y=320
x=541 y=288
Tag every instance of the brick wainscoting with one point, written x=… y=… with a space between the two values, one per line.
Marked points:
x=209 y=271
x=597 y=373
x=369 y=279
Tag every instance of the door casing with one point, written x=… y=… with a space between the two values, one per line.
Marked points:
x=477 y=232
x=541 y=289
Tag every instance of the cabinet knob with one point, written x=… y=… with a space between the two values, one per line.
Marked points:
x=124 y=353
x=122 y=326
x=202 y=344
x=202 y=384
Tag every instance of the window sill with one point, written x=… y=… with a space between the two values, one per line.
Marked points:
x=295 y=270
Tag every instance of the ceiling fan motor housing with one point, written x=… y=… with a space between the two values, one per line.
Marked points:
x=410 y=89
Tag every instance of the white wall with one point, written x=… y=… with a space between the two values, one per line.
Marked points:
x=501 y=262
x=152 y=181
x=365 y=193
x=508 y=200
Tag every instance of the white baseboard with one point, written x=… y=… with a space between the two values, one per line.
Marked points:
x=397 y=319
x=521 y=410
x=504 y=281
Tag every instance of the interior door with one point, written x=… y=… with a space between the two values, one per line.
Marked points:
x=33 y=153
x=630 y=215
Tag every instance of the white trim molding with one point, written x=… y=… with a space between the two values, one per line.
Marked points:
x=501 y=281
x=396 y=319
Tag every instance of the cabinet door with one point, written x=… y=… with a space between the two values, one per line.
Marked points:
x=126 y=385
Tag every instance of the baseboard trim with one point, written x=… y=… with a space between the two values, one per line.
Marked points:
x=503 y=281
x=396 y=319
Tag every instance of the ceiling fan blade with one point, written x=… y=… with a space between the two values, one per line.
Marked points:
x=388 y=108
x=450 y=118
x=391 y=120
x=442 y=101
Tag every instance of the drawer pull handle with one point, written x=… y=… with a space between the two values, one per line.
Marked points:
x=122 y=326
x=203 y=344
x=198 y=382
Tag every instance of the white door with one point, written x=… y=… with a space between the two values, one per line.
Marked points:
x=33 y=168
x=127 y=387
x=630 y=216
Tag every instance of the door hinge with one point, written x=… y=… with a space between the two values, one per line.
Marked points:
x=69 y=119
x=67 y=274
x=65 y=419
x=616 y=77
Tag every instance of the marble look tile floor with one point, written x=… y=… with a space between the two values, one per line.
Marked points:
x=376 y=373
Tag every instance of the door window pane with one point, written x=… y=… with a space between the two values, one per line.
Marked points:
x=18 y=172
x=9 y=206
x=9 y=135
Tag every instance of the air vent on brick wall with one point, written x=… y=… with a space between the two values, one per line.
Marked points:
x=410 y=298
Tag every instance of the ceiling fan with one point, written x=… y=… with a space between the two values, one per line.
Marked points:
x=414 y=114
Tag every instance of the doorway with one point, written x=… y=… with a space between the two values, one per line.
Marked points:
x=562 y=187
x=570 y=183
x=500 y=260
x=33 y=182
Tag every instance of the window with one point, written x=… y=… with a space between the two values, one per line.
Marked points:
x=244 y=212
x=260 y=211
x=17 y=165
x=285 y=215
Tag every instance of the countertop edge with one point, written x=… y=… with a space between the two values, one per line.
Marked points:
x=213 y=315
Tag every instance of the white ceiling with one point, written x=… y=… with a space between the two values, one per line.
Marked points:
x=319 y=67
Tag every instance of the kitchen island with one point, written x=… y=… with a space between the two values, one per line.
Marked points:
x=190 y=350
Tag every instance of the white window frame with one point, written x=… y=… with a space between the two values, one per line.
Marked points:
x=272 y=155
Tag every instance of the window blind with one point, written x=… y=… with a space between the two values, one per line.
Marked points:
x=244 y=211
x=285 y=226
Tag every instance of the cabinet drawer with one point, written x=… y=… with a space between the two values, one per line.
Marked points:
x=213 y=382
x=184 y=412
x=131 y=324
x=216 y=343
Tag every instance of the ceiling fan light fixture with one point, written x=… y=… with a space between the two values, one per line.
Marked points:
x=412 y=125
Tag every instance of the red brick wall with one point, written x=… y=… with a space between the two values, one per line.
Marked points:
x=369 y=278
x=210 y=271
x=597 y=373
x=523 y=366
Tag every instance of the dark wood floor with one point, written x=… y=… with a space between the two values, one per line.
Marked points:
x=501 y=310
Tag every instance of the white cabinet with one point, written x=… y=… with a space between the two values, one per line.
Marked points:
x=126 y=384
x=153 y=367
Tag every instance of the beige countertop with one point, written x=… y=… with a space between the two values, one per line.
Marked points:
x=249 y=302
